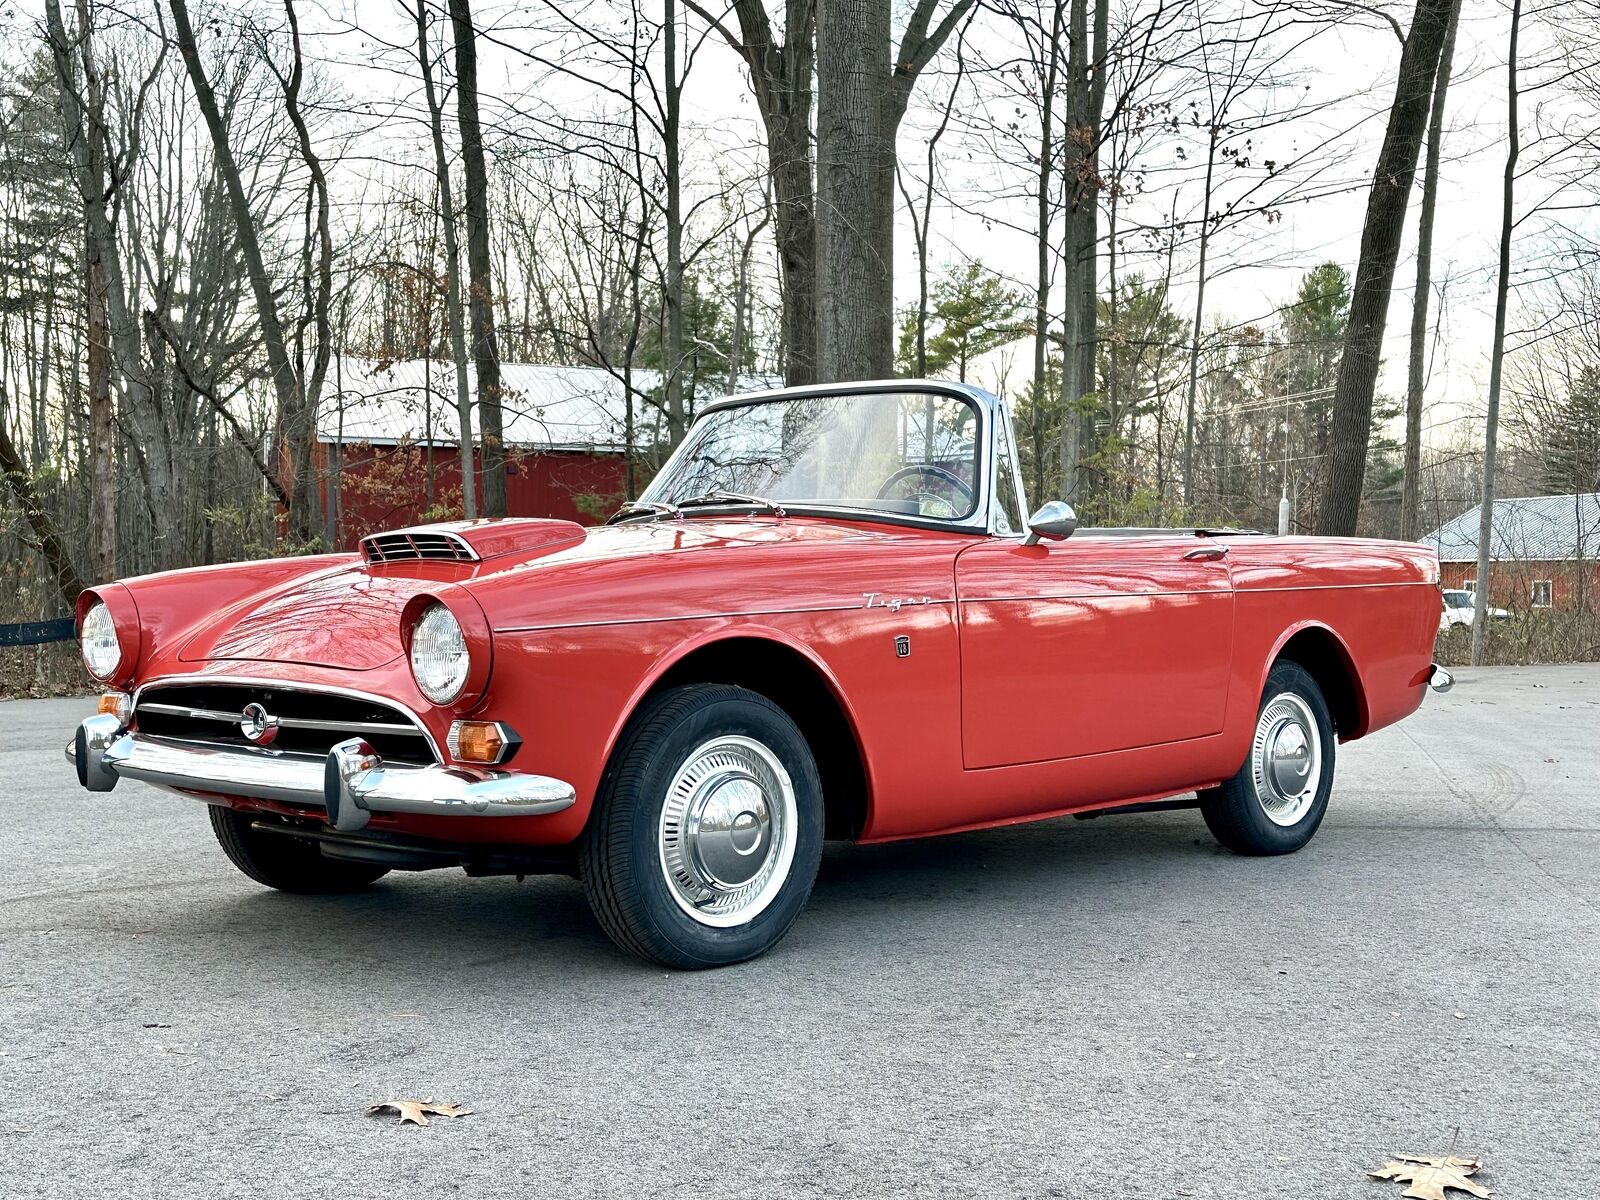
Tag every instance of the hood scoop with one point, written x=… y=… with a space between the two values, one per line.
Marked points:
x=468 y=541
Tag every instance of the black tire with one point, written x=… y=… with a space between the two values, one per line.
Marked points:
x=1237 y=813
x=621 y=856
x=288 y=864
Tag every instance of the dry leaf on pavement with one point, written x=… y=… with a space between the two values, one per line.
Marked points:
x=415 y=1110
x=1429 y=1177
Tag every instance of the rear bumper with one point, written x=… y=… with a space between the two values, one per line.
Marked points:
x=348 y=784
x=1439 y=679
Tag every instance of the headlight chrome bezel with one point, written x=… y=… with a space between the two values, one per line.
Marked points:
x=99 y=642
x=438 y=640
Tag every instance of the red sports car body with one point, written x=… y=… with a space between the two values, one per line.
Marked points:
x=829 y=661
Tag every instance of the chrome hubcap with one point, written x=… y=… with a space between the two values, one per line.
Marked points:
x=1286 y=759
x=727 y=831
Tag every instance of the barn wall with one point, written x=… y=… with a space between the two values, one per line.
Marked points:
x=389 y=487
x=1511 y=583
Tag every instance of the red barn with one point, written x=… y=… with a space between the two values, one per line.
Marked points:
x=1544 y=553
x=389 y=451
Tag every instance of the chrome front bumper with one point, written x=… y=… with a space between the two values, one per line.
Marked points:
x=1439 y=679
x=350 y=783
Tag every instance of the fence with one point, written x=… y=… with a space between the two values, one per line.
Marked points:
x=37 y=633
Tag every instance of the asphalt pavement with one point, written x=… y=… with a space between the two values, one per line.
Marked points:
x=1096 y=1008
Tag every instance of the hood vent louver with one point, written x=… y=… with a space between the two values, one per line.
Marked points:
x=418 y=544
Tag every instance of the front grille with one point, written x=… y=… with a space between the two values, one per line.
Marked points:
x=308 y=722
x=393 y=547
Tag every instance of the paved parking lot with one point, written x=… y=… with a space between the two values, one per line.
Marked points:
x=1078 y=1008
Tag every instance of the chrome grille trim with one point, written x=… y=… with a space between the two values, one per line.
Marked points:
x=283 y=685
x=233 y=718
x=407 y=545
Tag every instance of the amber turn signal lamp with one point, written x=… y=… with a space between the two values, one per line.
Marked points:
x=480 y=741
x=116 y=704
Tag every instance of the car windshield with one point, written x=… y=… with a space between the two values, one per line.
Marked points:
x=906 y=453
x=1458 y=599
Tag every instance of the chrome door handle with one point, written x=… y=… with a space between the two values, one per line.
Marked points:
x=1205 y=554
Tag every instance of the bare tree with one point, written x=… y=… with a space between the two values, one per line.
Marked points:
x=1497 y=352
x=296 y=391
x=860 y=104
x=1380 y=249
x=780 y=80
x=99 y=173
x=452 y=264
x=1416 y=363
x=480 y=292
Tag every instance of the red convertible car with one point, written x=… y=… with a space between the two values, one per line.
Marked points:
x=826 y=618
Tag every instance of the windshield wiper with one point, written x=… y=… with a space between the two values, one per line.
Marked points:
x=719 y=496
x=650 y=508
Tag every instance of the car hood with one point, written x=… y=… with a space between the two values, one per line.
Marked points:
x=349 y=616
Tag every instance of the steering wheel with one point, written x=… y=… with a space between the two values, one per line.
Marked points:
x=928 y=471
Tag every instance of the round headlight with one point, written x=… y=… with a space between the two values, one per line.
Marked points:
x=98 y=641
x=439 y=659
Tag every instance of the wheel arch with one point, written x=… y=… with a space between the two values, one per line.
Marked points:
x=1323 y=655
x=792 y=677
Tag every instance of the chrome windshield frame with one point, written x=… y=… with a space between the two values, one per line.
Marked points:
x=985 y=516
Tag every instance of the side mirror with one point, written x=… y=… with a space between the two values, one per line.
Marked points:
x=1054 y=520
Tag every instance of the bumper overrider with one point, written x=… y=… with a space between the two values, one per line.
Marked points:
x=349 y=783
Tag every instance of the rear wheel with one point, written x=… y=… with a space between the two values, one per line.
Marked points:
x=286 y=863
x=1276 y=800
x=707 y=831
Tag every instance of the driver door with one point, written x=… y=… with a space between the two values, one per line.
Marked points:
x=1091 y=645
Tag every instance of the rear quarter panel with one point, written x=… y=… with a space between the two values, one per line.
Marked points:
x=1379 y=600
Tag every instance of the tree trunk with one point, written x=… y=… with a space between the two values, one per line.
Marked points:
x=51 y=546
x=286 y=381
x=1380 y=248
x=860 y=103
x=855 y=192
x=452 y=266
x=102 y=419
x=673 y=293
x=1194 y=332
x=1041 y=287
x=795 y=229
x=1080 y=166
x=86 y=134
x=1497 y=354
x=480 y=292
x=318 y=283
x=780 y=80
x=1411 y=484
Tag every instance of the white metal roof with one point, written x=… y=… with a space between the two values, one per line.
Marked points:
x=546 y=406
x=1531 y=528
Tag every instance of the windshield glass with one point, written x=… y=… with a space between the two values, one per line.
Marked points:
x=907 y=453
x=1458 y=599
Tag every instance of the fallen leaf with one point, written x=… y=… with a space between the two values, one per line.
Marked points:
x=1429 y=1177
x=415 y=1110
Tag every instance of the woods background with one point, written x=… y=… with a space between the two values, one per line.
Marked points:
x=1169 y=231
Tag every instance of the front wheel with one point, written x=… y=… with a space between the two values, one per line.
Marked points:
x=285 y=863
x=707 y=830
x=1276 y=800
